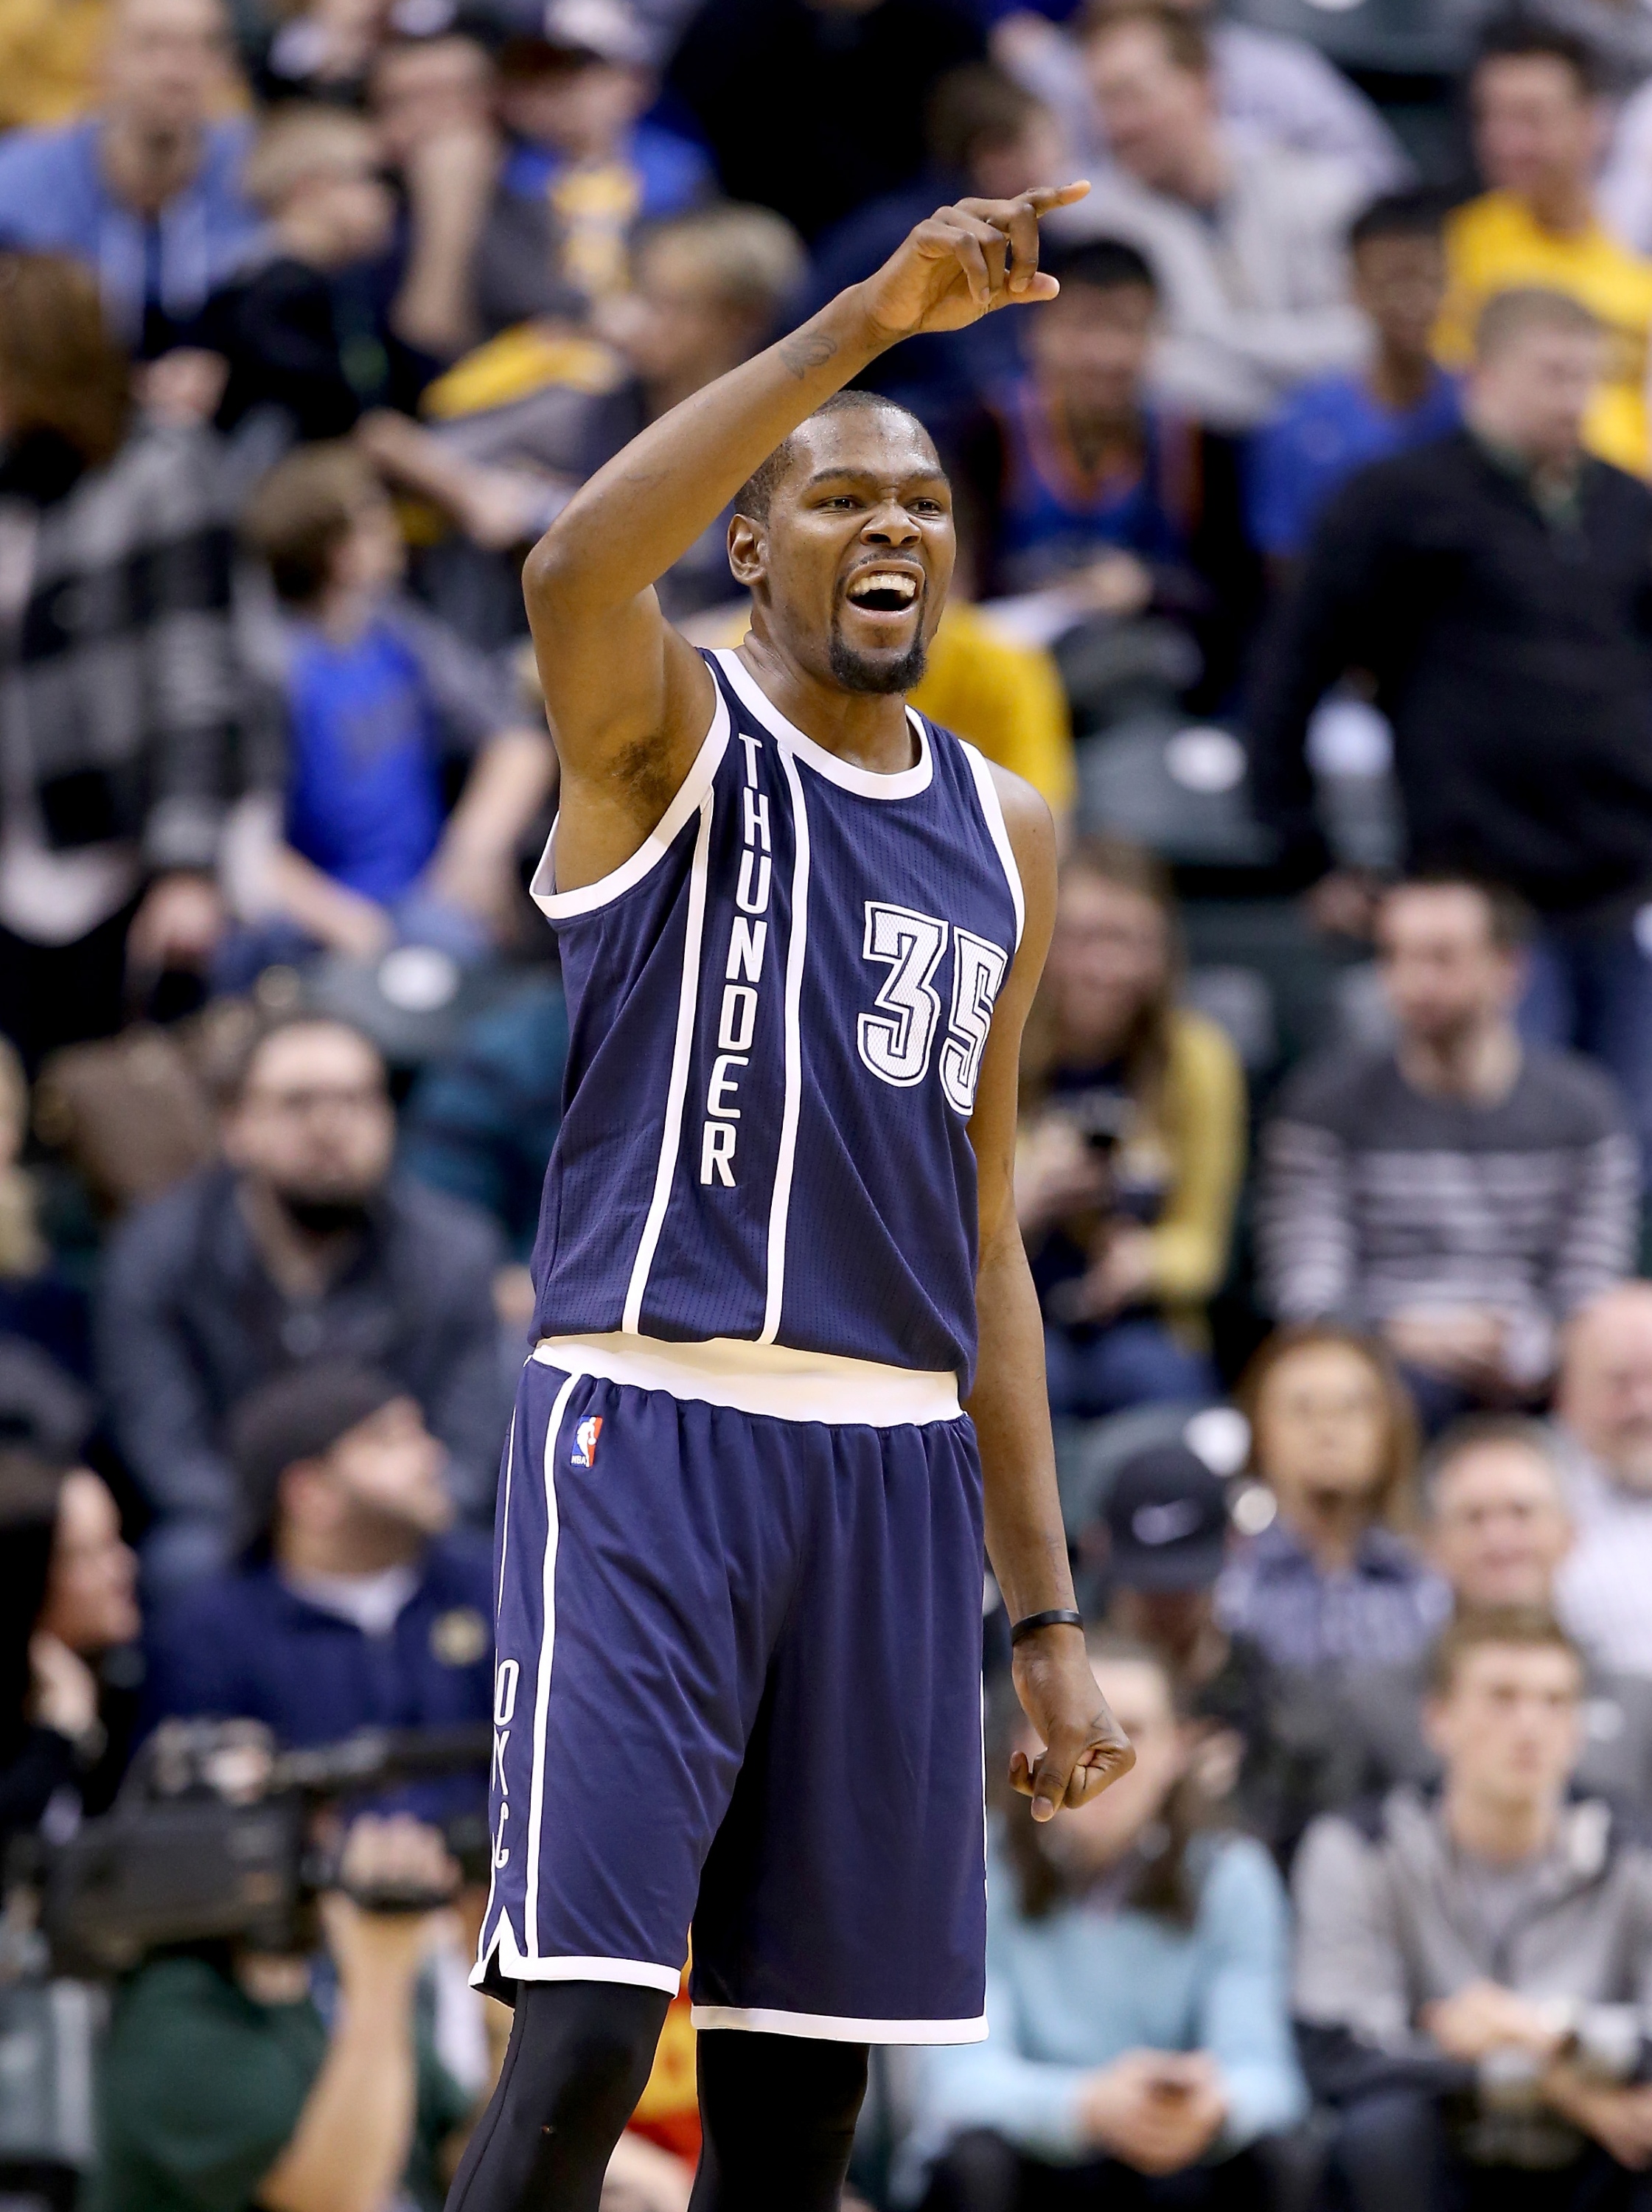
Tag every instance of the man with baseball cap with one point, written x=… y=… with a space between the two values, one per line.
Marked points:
x=1272 y=1741
x=356 y=1604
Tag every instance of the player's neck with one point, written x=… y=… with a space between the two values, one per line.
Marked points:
x=866 y=729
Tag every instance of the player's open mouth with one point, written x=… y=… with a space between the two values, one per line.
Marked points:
x=884 y=591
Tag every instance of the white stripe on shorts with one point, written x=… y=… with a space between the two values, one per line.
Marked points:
x=825 y=2028
x=768 y=1380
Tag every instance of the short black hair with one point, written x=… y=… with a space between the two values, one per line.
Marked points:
x=1398 y=215
x=1105 y=264
x=756 y=494
x=1510 y=922
x=1520 y=38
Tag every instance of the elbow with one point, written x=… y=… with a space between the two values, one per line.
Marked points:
x=550 y=575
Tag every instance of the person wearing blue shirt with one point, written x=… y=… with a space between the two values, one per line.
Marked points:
x=379 y=697
x=1402 y=398
x=1075 y=478
x=356 y=1604
x=584 y=168
x=147 y=191
x=1138 y=2050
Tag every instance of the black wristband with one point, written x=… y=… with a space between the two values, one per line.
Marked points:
x=1057 y=1617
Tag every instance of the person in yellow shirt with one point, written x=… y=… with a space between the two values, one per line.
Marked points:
x=1538 y=129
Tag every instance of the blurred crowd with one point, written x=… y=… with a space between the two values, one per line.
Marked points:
x=1306 y=568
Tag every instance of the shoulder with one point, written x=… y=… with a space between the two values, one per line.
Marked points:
x=220 y=1599
x=460 y=1565
x=1311 y=193
x=42 y=157
x=1240 y=1881
x=1031 y=827
x=1200 y=1048
x=167 y=1225
x=465 y=1238
x=1336 y=1090
x=1605 y=484
x=1339 y=1854
x=1580 y=1099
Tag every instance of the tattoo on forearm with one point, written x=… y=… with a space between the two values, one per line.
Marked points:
x=805 y=349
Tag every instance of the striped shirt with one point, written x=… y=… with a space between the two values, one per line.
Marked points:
x=1384 y=1610
x=1374 y=1198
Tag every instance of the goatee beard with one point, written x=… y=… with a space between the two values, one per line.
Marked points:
x=853 y=671
x=324 y=1216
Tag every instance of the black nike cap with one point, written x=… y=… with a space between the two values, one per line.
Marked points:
x=1166 y=1521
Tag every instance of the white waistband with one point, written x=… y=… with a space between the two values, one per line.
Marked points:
x=769 y=1380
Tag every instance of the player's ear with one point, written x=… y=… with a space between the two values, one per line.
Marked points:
x=748 y=550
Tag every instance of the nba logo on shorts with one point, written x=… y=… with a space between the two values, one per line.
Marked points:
x=583 y=1453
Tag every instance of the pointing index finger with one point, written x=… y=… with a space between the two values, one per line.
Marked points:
x=1043 y=198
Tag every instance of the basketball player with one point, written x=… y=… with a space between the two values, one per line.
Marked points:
x=789 y=1361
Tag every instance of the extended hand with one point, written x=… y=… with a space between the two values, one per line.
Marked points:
x=1085 y=1747
x=965 y=262
x=1619 y=2119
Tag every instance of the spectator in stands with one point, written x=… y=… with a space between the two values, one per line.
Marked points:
x=227 y=2075
x=1136 y=1992
x=1460 y=1192
x=709 y=290
x=90 y=1614
x=1604 y=1407
x=480 y=1121
x=304 y=1242
x=1132 y=1144
x=432 y=102
x=1473 y=1971
x=1538 y=129
x=1494 y=583
x=1497 y=1527
x=145 y=192
x=1247 y=241
x=303 y=349
x=1398 y=399
x=48 y=1696
x=119 y=738
x=856 y=75
x=362 y=855
x=1270 y=87
x=581 y=170
x=987 y=138
x=1331 y=1584
x=1078 y=479
x=37 y=1302
x=356 y=1604
x=1268 y=1743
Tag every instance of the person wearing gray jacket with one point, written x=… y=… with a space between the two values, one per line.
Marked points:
x=1473 y=1971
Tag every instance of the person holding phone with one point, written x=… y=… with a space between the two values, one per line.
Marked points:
x=1132 y=1144
x=1139 y=2051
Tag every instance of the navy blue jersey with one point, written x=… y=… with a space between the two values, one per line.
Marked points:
x=777 y=1012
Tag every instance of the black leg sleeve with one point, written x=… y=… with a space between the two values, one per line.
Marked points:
x=579 y=2054
x=779 y=2114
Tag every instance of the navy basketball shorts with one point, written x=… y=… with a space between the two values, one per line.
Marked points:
x=738 y=1689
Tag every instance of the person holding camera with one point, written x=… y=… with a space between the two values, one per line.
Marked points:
x=1132 y=1145
x=243 y=2081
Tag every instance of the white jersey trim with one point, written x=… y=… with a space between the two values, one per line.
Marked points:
x=542 y=1684
x=635 y=1973
x=993 y=807
x=562 y=906
x=906 y=783
x=826 y=2027
x=779 y=1206
x=772 y=1382
x=671 y=1135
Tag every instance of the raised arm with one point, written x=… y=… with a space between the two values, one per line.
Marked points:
x=628 y=701
x=1085 y=1749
